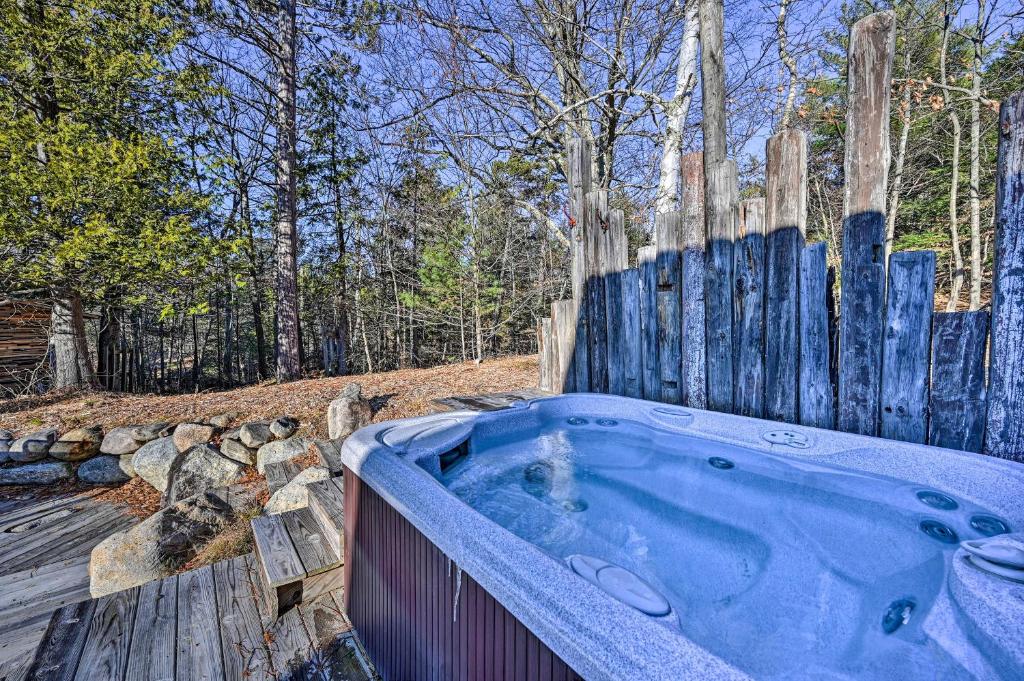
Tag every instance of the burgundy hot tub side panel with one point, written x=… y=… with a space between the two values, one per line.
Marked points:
x=401 y=591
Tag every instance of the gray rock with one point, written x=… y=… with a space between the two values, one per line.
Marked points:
x=158 y=546
x=234 y=449
x=153 y=461
x=78 y=444
x=232 y=434
x=125 y=462
x=348 y=412
x=283 y=427
x=6 y=434
x=294 y=494
x=199 y=469
x=45 y=473
x=121 y=441
x=151 y=431
x=32 y=447
x=6 y=438
x=188 y=435
x=103 y=470
x=255 y=434
x=223 y=420
x=281 y=450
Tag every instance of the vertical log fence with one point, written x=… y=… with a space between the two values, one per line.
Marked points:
x=729 y=310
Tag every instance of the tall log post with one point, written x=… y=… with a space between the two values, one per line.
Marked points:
x=1004 y=427
x=693 y=282
x=786 y=219
x=866 y=169
x=578 y=168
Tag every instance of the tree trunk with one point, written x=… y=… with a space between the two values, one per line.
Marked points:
x=72 y=365
x=976 y=65
x=686 y=78
x=288 y=341
x=957 y=281
x=901 y=157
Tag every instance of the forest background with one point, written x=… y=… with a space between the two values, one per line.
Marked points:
x=210 y=193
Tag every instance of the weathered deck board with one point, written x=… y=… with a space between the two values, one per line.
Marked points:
x=310 y=543
x=906 y=346
x=279 y=474
x=151 y=655
x=105 y=655
x=957 y=397
x=242 y=642
x=212 y=630
x=61 y=650
x=198 y=640
x=281 y=562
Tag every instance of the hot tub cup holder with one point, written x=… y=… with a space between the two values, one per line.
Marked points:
x=620 y=584
x=1002 y=556
x=787 y=437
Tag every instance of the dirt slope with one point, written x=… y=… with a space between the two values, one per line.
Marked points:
x=394 y=394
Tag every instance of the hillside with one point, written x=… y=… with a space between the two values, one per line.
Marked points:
x=394 y=394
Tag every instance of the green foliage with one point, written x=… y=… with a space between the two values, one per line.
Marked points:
x=93 y=198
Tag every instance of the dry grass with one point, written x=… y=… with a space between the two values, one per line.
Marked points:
x=234 y=540
x=394 y=394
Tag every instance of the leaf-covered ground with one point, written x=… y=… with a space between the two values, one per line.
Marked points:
x=394 y=394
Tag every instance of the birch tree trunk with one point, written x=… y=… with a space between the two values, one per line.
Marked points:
x=288 y=342
x=686 y=79
x=957 y=280
x=789 y=62
x=901 y=157
x=975 y=189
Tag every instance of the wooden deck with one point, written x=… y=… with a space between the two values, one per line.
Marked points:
x=489 y=402
x=44 y=561
x=202 y=624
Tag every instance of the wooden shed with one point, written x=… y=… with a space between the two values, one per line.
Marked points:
x=24 y=330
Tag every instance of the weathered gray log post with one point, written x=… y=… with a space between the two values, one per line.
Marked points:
x=632 y=334
x=817 y=405
x=615 y=260
x=563 y=327
x=956 y=417
x=749 y=325
x=647 y=263
x=578 y=168
x=1004 y=427
x=693 y=282
x=595 y=225
x=546 y=353
x=786 y=218
x=668 y=234
x=906 y=346
x=721 y=206
x=866 y=168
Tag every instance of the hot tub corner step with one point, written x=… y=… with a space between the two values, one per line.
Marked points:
x=327 y=503
x=297 y=562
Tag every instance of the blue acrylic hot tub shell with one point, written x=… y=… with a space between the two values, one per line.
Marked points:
x=602 y=638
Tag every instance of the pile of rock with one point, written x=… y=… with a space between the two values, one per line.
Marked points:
x=179 y=460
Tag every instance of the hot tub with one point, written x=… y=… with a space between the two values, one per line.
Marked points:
x=610 y=538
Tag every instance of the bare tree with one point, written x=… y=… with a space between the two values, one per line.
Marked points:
x=667 y=198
